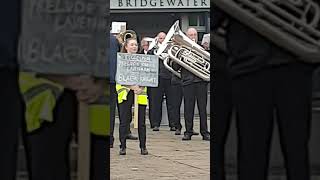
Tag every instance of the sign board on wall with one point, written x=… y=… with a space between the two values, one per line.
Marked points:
x=137 y=69
x=156 y=4
x=64 y=37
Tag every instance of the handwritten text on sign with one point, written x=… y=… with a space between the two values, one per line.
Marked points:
x=64 y=36
x=137 y=69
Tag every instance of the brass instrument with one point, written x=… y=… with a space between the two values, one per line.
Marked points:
x=185 y=52
x=291 y=24
x=168 y=64
x=123 y=36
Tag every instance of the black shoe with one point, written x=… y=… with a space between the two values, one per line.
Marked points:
x=186 y=137
x=178 y=132
x=144 y=151
x=156 y=128
x=122 y=151
x=111 y=141
x=206 y=137
x=173 y=128
x=131 y=137
x=194 y=133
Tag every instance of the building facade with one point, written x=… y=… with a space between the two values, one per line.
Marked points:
x=148 y=17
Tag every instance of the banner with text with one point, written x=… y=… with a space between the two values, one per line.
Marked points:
x=137 y=69
x=64 y=37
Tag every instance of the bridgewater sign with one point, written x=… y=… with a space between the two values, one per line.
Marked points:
x=159 y=4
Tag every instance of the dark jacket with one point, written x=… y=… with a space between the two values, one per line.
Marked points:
x=114 y=48
x=163 y=71
x=249 y=51
x=10 y=14
x=187 y=77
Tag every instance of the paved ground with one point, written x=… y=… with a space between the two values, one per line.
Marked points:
x=169 y=157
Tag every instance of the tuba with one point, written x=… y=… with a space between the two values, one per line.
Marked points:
x=291 y=24
x=185 y=52
x=123 y=36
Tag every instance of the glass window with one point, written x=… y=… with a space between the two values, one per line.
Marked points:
x=200 y=35
x=193 y=20
x=202 y=20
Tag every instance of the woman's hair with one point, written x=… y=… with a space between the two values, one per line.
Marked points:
x=123 y=49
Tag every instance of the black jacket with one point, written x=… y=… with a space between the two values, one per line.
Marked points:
x=163 y=71
x=187 y=77
x=10 y=13
x=249 y=51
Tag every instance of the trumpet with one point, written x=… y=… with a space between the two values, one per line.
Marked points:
x=291 y=24
x=185 y=52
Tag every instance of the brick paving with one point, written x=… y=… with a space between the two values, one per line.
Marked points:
x=169 y=157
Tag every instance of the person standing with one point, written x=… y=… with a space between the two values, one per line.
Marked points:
x=10 y=104
x=268 y=79
x=194 y=89
x=163 y=90
x=222 y=101
x=126 y=99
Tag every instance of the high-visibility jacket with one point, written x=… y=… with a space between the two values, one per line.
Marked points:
x=40 y=96
x=123 y=91
x=99 y=114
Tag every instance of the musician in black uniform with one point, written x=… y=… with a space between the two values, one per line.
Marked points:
x=157 y=94
x=176 y=89
x=144 y=50
x=222 y=103
x=194 y=89
x=268 y=79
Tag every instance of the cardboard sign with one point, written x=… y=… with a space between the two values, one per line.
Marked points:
x=137 y=69
x=64 y=37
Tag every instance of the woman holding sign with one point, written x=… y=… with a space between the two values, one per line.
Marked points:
x=126 y=99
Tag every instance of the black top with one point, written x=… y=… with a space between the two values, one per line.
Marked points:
x=163 y=71
x=249 y=51
x=10 y=14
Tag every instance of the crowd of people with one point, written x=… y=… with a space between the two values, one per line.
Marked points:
x=170 y=87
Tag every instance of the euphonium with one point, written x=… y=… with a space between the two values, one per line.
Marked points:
x=123 y=36
x=291 y=24
x=185 y=52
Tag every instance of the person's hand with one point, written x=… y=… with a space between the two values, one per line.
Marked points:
x=205 y=45
x=77 y=82
x=134 y=87
x=139 y=90
x=90 y=94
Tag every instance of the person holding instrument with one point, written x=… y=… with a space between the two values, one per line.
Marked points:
x=126 y=99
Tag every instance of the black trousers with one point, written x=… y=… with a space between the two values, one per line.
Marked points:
x=47 y=148
x=125 y=116
x=156 y=102
x=286 y=89
x=10 y=109
x=176 y=89
x=192 y=93
x=222 y=111
x=113 y=105
x=100 y=158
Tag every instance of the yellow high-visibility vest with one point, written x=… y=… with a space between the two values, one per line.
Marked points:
x=40 y=96
x=99 y=115
x=123 y=91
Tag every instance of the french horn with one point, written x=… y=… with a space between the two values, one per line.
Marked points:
x=291 y=24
